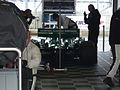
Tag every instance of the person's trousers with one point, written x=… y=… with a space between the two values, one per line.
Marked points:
x=114 y=69
x=113 y=54
x=26 y=78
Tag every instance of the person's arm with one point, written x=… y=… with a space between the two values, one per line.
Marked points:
x=29 y=21
x=85 y=18
x=31 y=17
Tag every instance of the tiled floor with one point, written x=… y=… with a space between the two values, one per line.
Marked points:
x=78 y=77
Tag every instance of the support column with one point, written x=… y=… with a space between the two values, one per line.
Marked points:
x=115 y=5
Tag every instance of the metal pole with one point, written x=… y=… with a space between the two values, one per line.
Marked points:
x=19 y=69
x=60 y=64
x=60 y=61
x=103 y=38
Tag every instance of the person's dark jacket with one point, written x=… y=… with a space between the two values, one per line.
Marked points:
x=114 y=36
x=93 y=19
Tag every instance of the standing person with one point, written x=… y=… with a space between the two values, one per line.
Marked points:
x=114 y=39
x=31 y=59
x=64 y=21
x=93 y=21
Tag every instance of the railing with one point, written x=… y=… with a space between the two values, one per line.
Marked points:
x=19 y=68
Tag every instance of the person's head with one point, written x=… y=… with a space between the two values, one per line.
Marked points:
x=28 y=14
x=55 y=16
x=28 y=11
x=91 y=7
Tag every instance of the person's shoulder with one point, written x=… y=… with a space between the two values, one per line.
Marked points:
x=96 y=10
x=33 y=44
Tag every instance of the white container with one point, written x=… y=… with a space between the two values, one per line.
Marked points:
x=8 y=79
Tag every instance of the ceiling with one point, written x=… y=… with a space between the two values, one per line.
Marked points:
x=23 y=0
x=41 y=0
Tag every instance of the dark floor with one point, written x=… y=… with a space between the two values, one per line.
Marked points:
x=78 y=77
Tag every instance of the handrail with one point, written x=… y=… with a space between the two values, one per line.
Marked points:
x=19 y=69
